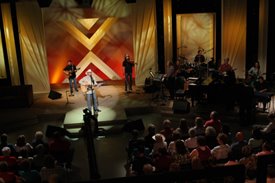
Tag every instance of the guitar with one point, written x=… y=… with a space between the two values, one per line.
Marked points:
x=86 y=88
x=68 y=73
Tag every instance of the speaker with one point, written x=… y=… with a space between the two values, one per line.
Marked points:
x=181 y=106
x=51 y=130
x=54 y=95
x=134 y=125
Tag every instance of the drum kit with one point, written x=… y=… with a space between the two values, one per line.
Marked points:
x=197 y=69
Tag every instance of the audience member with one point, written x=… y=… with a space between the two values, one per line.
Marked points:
x=60 y=148
x=266 y=149
x=191 y=142
x=201 y=155
x=167 y=130
x=256 y=140
x=11 y=160
x=39 y=139
x=23 y=148
x=134 y=144
x=180 y=159
x=211 y=137
x=199 y=126
x=51 y=168
x=172 y=145
x=220 y=153
x=27 y=174
x=5 y=174
x=214 y=122
x=4 y=143
x=183 y=128
x=148 y=139
x=160 y=143
x=162 y=161
x=236 y=147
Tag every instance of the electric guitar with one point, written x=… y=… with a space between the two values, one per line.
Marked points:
x=68 y=73
x=85 y=88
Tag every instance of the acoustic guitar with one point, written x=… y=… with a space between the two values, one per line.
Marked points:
x=68 y=73
x=86 y=88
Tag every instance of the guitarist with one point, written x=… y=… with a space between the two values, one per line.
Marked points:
x=70 y=71
x=88 y=83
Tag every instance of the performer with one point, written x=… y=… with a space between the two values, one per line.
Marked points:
x=70 y=71
x=255 y=71
x=225 y=67
x=199 y=58
x=128 y=69
x=88 y=83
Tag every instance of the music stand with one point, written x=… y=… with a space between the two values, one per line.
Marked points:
x=67 y=98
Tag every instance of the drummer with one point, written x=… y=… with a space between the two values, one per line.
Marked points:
x=199 y=58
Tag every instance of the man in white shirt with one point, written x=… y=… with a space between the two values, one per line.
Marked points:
x=88 y=83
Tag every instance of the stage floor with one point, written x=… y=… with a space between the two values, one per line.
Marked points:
x=117 y=108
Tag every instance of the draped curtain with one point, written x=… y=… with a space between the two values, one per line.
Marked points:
x=263 y=34
x=167 y=26
x=7 y=21
x=33 y=50
x=144 y=39
x=234 y=34
x=195 y=31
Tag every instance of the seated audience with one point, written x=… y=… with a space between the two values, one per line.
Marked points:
x=211 y=137
x=50 y=169
x=27 y=174
x=162 y=161
x=159 y=143
x=167 y=130
x=191 y=142
x=236 y=147
x=5 y=174
x=183 y=128
x=266 y=149
x=11 y=160
x=180 y=159
x=134 y=144
x=172 y=145
x=60 y=148
x=148 y=140
x=39 y=139
x=22 y=147
x=220 y=153
x=256 y=140
x=201 y=155
x=4 y=143
x=199 y=126
x=214 y=122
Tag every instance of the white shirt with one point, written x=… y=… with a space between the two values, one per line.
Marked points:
x=87 y=81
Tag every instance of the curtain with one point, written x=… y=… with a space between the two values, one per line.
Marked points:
x=33 y=50
x=144 y=38
x=7 y=21
x=263 y=34
x=195 y=31
x=167 y=26
x=234 y=34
